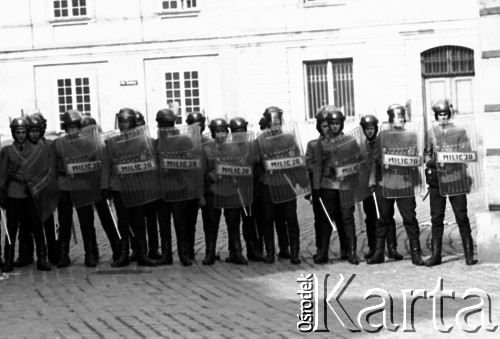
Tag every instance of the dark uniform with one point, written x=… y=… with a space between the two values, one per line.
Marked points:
x=327 y=187
x=457 y=179
x=15 y=161
x=396 y=182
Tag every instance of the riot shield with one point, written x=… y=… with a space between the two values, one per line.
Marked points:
x=181 y=171
x=284 y=162
x=134 y=161
x=83 y=156
x=233 y=186
x=402 y=154
x=348 y=162
x=42 y=182
x=457 y=160
x=206 y=138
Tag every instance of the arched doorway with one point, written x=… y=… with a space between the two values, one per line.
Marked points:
x=448 y=72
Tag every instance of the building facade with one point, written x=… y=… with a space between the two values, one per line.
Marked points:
x=234 y=58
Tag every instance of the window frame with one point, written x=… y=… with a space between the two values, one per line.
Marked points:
x=179 y=12
x=71 y=18
x=183 y=107
x=330 y=65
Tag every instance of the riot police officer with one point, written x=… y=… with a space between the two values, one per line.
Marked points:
x=327 y=187
x=150 y=210
x=72 y=122
x=210 y=214
x=323 y=128
x=278 y=183
x=369 y=123
x=15 y=163
x=400 y=184
x=131 y=217
x=455 y=138
x=193 y=204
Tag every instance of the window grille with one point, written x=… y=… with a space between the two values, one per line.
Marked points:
x=330 y=82
x=73 y=93
x=183 y=88
x=177 y=5
x=70 y=8
x=447 y=61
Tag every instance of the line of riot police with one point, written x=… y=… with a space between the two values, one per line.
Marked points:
x=256 y=181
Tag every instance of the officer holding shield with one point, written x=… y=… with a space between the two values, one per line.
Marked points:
x=399 y=181
x=449 y=179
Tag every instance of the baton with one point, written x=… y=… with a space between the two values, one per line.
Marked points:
x=114 y=220
x=426 y=195
x=376 y=205
x=240 y=196
x=290 y=183
x=327 y=215
x=131 y=232
x=4 y=222
x=56 y=219
x=74 y=232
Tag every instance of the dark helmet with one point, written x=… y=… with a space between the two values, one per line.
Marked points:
x=88 y=121
x=369 y=120
x=324 y=114
x=272 y=113
x=195 y=117
x=396 y=109
x=35 y=122
x=218 y=122
x=19 y=123
x=238 y=124
x=441 y=106
x=139 y=119
x=44 y=122
x=262 y=123
x=127 y=114
x=71 y=116
x=165 y=115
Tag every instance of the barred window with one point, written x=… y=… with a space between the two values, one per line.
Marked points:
x=446 y=61
x=329 y=82
x=73 y=93
x=70 y=8
x=183 y=88
x=178 y=5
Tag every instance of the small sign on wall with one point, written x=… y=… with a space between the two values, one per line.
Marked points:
x=128 y=82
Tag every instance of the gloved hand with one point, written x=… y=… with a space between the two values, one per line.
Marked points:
x=315 y=194
x=201 y=201
x=105 y=194
x=373 y=188
x=3 y=197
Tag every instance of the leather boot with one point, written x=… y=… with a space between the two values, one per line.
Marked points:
x=153 y=252
x=270 y=256
x=141 y=250
x=123 y=259
x=392 y=244
x=235 y=255
x=9 y=252
x=435 y=258
x=468 y=245
x=283 y=239
x=41 y=254
x=166 y=250
x=370 y=253
x=416 y=253
x=90 y=259
x=252 y=253
x=209 y=253
x=378 y=256
x=23 y=258
x=115 y=248
x=64 y=259
x=353 y=257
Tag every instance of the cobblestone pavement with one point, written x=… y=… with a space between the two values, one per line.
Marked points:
x=225 y=300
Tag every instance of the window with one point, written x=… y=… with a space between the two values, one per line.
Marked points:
x=70 y=8
x=179 y=5
x=183 y=88
x=73 y=93
x=329 y=82
x=448 y=61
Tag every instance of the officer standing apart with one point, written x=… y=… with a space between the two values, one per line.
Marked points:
x=449 y=179
x=398 y=177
